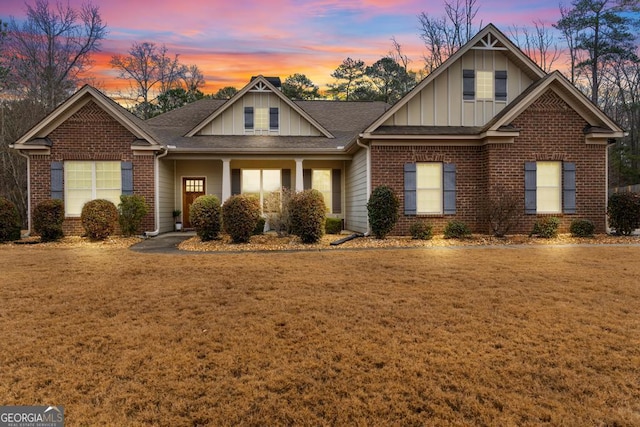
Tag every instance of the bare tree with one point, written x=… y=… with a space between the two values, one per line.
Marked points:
x=50 y=50
x=192 y=78
x=445 y=35
x=538 y=44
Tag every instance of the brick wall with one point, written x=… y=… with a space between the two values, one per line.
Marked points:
x=91 y=134
x=549 y=130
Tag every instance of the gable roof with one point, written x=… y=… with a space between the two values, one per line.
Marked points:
x=497 y=38
x=35 y=137
x=255 y=82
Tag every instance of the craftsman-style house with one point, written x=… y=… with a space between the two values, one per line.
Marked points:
x=489 y=119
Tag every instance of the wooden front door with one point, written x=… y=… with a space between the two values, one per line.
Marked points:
x=192 y=188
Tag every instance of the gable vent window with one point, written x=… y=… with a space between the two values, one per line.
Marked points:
x=261 y=119
x=484 y=85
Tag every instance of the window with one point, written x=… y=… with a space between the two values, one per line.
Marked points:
x=550 y=187
x=321 y=181
x=429 y=188
x=262 y=119
x=85 y=181
x=261 y=182
x=484 y=85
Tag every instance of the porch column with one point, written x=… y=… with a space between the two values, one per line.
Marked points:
x=299 y=176
x=226 y=179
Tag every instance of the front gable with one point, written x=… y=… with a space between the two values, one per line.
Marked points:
x=260 y=109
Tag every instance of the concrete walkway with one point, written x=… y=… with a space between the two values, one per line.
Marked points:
x=166 y=243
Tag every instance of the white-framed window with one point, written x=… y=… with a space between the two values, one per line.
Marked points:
x=484 y=84
x=261 y=119
x=429 y=181
x=89 y=180
x=261 y=182
x=549 y=187
x=321 y=181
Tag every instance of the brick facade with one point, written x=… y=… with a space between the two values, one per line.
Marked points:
x=549 y=130
x=92 y=134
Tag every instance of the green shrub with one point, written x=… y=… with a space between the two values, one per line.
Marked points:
x=421 y=230
x=307 y=214
x=240 y=215
x=48 y=217
x=259 y=226
x=132 y=209
x=99 y=218
x=333 y=226
x=582 y=228
x=624 y=212
x=456 y=230
x=9 y=221
x=546 y=227
x=205 y=216
x=382 y=208
x=500 y=210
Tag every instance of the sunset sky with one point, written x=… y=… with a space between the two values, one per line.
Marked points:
x=232 y=40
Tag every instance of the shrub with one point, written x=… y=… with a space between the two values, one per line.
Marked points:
x=582 y=228
x=132 y=209
x=456 y=230
x=383 y=211
x=624 y=212
x=99 y=218
x=9 y=221
x=501 y=211
x=546 y=227
x=421 y=230
x=277 y=208
x=240 y=215
x=205 y=217
x=48 y=217
x=307 y=213
x=333 y=226
x=259 y=226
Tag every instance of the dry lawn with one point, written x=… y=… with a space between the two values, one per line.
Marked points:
x=428 y=336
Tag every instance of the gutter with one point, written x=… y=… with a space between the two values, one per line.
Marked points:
x=26 y=156
x=156 y=179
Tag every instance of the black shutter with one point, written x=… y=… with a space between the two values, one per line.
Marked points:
x=286 y=178
x=530 y=187
x=501 y=85
x=569 y=187
x=248 y=118
x=449 y=188
x=306 y=179
x=235 y=182
x=410 y=201
x=274 y=123
x=336 y=191
x=57 y=180
x=126 y=174
x=468 y=84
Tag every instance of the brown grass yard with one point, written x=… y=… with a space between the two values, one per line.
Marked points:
x=430 y=336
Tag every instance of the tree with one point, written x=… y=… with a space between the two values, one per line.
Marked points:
x=539 y=44
x=226 y=92
x=389 y=79
x=193 y=78
x=150 y=67
x=443 y=36
x=4 y=66
x=50 y=50
x=299 y=86
x=350 y=75
x=604 y=33
x=175 y=98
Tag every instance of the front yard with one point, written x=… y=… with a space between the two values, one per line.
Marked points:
x=426 y=336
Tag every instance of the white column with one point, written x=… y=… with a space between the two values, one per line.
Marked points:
x=299 y=176
x=226 y=179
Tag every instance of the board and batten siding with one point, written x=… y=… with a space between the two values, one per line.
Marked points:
x=165 y=195
x=440 y=103
x=231 y=121
x=356 y=196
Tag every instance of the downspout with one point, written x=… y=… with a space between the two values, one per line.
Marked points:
x=368 y=151
x=26 y=156
x=156 y=182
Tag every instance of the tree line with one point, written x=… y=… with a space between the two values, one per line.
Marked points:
x=44 y=59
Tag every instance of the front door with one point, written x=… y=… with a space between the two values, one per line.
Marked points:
x=192 y=188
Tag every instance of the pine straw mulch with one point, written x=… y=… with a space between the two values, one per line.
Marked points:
x=271 y=242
